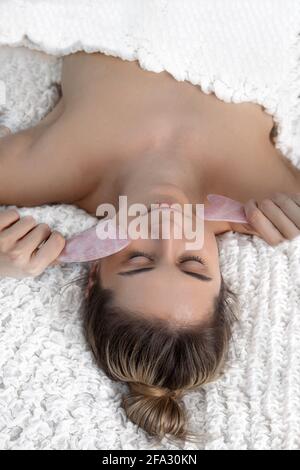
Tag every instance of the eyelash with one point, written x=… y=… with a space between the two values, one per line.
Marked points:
x=135 y=254
x=182 y=259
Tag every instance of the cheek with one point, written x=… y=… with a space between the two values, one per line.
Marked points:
x=103 y=271
x=211 y=253
x=210 y=245
x=106 y=270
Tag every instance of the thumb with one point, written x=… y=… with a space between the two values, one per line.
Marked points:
x=246 y=229
x=249 y=229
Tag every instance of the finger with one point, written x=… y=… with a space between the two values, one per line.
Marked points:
x=10 y=235
x=48 y=252
x=262 y=224
x=8 y=217
x=19 y=229
x=33 y=239
x=288 y=205
x=278 y=218
x=246 y=229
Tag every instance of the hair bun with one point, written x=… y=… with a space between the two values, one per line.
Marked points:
x=154 y=392
x=156 y=410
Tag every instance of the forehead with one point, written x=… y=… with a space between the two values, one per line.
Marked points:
x=177 y=298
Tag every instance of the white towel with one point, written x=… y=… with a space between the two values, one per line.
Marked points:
x=241 y=50
x=52 y=396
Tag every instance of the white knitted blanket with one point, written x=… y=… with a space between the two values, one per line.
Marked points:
x=52 y=396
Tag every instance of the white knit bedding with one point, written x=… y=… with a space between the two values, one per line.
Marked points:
x=52 y=396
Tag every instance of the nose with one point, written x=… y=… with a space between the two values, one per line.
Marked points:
x=170 y=250
x=172 y=246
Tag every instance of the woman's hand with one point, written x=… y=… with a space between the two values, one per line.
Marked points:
x=275 y=219
x=20 y=252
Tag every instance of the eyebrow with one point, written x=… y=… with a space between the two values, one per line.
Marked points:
x=202 y=277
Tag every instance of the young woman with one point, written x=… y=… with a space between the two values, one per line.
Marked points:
x=157 y=317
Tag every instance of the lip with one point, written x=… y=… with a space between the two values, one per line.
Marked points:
x=170 y=194
x=160 y=208
x=171 y=209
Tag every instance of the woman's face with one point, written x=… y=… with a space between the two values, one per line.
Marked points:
x=160 y=278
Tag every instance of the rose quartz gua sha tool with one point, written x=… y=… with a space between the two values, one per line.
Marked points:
x=224 y=208
x=87 y=246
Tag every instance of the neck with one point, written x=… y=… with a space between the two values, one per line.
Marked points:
x=168 y=178
x=157 y=176
x=163 y=177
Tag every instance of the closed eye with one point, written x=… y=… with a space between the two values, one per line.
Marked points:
x=132 y=272
x=135 y=271
x=202 y=277
x=197 y=259
x=192 y=262
x=183 y=261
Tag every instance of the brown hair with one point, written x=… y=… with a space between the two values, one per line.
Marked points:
x=158 y=361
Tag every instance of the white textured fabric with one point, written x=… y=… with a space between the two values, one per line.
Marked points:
x=52 y=396
x=242 y=50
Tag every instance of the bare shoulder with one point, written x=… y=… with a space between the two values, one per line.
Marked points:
x=45 y=164
x=81 y=75
x=19 y=143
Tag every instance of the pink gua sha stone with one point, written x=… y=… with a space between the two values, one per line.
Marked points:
x=224 y=208
x=86 y=246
